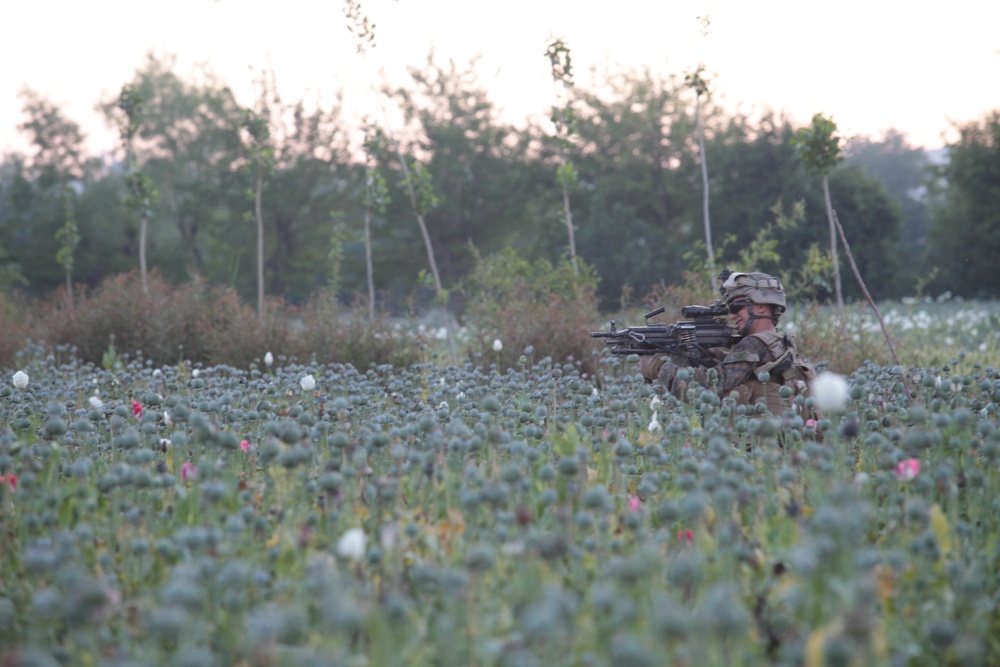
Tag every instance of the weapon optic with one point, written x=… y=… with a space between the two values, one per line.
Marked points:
x=702 y=328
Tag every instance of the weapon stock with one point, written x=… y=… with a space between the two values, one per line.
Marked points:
x=704 y=327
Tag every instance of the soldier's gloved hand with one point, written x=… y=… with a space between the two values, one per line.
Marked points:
x=649 y=366
x=668 y=371
x=719 y=353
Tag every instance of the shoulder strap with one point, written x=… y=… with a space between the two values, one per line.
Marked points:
x=783 y=355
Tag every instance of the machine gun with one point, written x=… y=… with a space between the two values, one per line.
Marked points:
x=703 y=327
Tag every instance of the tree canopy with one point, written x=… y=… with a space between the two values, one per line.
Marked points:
x=637 y=196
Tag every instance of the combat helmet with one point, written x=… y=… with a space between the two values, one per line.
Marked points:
x=757 y=287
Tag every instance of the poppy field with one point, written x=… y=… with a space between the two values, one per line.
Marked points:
x=318 y=514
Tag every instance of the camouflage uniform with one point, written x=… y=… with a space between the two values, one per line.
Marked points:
x=739 y=371
x=739 y=368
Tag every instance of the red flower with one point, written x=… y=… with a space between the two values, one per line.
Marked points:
x=686 y=536
x=137 y=408
x=10 y=480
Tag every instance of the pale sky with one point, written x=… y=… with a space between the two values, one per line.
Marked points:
x=870 y=64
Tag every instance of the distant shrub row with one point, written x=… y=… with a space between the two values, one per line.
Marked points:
x=511 y=308
x=541 y=308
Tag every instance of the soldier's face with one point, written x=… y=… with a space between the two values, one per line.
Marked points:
x=740 y=312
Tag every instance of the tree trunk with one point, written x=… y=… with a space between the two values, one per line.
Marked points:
x=569 y=230
x=368 y=264
x=833 y=245
x=69 y=287
x=704 y=185
x=260 y=246
x=430 y=253
x=143 y=223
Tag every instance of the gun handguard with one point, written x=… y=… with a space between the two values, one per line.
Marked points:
x=704 y=327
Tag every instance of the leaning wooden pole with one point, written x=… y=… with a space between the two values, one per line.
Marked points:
x=864 y=290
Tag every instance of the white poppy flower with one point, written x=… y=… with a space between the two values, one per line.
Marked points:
x=268 y=359
x=20 y=379
x=351 y=544
x=497 y=345
x=308 y=383
x=831 y=392
x=654 y=423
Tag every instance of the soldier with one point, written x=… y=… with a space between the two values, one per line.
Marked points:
x=756 y=302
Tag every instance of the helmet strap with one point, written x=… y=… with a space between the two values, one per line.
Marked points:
x=751 y=318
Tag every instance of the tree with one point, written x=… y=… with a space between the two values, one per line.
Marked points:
x=820 y=149
x=966 y=223
x=488 y=188
x=905 y=172
x=697 y=82
x=564 y=119
x=188 y=143
x=638 y=201
x=260 y=163
x=141 y=195
x=420 y=193
x=377 y=199
x=57 y=140
x=45 y=190
x=68 y=238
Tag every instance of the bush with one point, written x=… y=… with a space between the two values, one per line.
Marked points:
x=332 y=333
x=15 y=328
x=162 y=324
x=538 y=306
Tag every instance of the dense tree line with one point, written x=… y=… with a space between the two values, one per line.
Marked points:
x=637 y=201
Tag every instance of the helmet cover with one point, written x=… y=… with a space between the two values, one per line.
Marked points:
x=757 y=287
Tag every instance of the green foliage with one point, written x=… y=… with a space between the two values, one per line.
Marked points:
x=179 y=515
x=538 y=305
x=966 y=223
x=812 y=279
x=141 y=195
x=905 y=171
x=561 y=63
x=377 y=195
x=819 y=145
x=333 y=333
x=110 y=360
x=335 y=257
x=567 y=176
x=760 y=253
x=68 y=237
x=423 y=188
x=633 y=147
x=203 y=325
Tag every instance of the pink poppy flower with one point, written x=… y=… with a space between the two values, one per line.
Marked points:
x=634 y=503
x=907 y=470
x=137 y=408
x=188 y=471
x=810 y=423
x=10 y=480
x=686 y=536
x=244 y=445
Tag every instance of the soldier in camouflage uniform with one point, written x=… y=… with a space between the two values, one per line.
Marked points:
x=756 y=302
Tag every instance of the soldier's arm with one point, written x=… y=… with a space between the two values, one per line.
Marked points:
x=736 y=368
